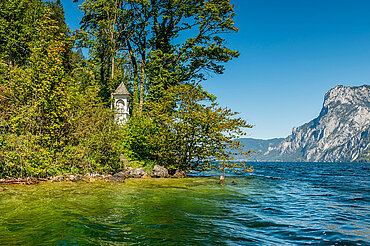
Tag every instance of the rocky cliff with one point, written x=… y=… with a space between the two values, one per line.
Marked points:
x=339 y=133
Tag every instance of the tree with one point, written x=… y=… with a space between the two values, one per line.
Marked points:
x=37 y=91
x=185 y=129
x=51 y=120
x=161 y=44
x=57 y=14
x=165 y=42
x=187 y=42
x=17 y=18
x=102 y=31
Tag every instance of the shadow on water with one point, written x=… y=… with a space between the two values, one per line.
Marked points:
x=271 y=207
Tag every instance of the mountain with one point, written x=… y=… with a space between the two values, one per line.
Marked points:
x=340 y=132
x=258 y=145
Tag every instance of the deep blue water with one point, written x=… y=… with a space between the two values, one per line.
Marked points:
x=279 y=204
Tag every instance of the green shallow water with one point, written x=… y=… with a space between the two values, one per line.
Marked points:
x=280 y=204
x=138 y=211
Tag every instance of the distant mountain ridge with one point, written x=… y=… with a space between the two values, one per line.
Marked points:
x=340 y=133
x=260 y=146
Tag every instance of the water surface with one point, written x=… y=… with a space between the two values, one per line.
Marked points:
x=280 y=204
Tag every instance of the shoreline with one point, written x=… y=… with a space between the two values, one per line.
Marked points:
x=136 y=173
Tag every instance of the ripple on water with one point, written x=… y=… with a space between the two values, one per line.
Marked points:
x=278 y=206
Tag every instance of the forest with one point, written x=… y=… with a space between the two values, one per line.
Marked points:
x=56 y=85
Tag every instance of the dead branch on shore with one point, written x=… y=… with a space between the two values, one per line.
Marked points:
x=27 y=181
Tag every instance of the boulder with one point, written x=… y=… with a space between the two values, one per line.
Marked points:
x=118 y=177
x=94 y=175
x=160 y=172
x=128 y=171
x=138 y=172
x=75 y=178
x=57 y=179
x=179 y=174
x=134 y=172
x=146 y=176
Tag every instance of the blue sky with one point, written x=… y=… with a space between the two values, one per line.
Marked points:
x=292 y=53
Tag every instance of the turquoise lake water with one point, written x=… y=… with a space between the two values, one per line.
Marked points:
x=279 y=204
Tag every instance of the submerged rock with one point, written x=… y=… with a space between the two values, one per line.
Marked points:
x=160 y=172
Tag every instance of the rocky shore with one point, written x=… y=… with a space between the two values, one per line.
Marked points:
x=129 y=172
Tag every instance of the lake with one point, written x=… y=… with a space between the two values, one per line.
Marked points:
x=279 y=204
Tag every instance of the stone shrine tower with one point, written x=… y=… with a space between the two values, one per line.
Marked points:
x=120 y=102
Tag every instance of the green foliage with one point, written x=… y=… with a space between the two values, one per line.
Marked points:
x=16 y=29
x=95 y=138
x=102 y=28
x=92 y=142
x=157 y=44
x=54 y=114
x=201 y=25
x=51 y=119
x=184 y=128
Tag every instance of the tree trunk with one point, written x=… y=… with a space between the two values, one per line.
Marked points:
x=142 y=85
x=136 y=79
x=112 y=69
x=222 y=178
